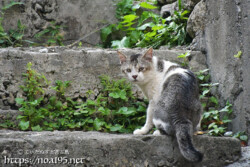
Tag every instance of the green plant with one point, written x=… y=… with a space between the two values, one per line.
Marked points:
x=238 y=55
x=124 y=7
x=208 y=100
x=34 y=83
x=33 y=88
x=214 y=123
x=32 y=114
x=53 y=34
x=114 y=110
x=45 y=113
x=242 y=137
x=184 y=57
x=7 y=123
x=40 y=114
x=146 y=29
x=14 y=37
x=214 y=120
x=80 y=44
x=60 y=109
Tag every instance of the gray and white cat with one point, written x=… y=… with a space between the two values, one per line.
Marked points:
x=174 y=106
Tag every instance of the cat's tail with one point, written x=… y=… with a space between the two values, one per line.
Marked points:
x=184 y=138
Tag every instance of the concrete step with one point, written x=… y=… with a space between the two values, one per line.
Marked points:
x=82 y=66
x=244 y=161
x=64 y=149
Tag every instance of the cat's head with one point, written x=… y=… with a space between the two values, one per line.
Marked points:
x=137 y=67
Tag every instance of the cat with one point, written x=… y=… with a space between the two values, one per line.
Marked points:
x=174 y=107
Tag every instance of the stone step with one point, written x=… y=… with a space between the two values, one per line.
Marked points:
x=244 y=161
x=81 y=66
x=64 y=148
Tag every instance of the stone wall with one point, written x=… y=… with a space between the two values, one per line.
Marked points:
x=220 y=30
x=77 y=17
x=224 y=32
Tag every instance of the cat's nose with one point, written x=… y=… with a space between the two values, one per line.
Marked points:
x=135 y=76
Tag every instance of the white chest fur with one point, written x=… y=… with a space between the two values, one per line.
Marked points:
x=152 y=89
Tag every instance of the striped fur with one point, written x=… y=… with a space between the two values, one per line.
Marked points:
x=174 y=106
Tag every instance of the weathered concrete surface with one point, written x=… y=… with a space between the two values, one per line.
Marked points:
x=227 y=32
x=100 y=149
x=244 y=161
x=189 y=4
x=81 y=66
x=77 y=17
x=9 y=115
x=196 y=20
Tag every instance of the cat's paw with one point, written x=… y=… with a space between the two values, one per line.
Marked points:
x=157 y=133
x=140 y=132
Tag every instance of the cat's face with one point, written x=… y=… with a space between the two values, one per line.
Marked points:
x=136 y=67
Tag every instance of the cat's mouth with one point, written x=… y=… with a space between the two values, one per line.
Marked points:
x=134 y=80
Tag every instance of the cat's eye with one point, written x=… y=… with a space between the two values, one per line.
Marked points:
x=128 y=70
x=141 y=69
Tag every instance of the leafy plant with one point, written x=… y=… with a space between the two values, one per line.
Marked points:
x=208 y=100
x=214 y=120
x=80 y=44
x=34 y=83
x=45 y=113
x=14 y=37
x=60 y=109
x=214 y=123
x=242 y=137
x=124 y=7
x=146 y=29
x=114 y=110
x=184 y=57
x=32 y=114
x=7 y=123
x=238 y=55
x=34 y=89
x=53 y=34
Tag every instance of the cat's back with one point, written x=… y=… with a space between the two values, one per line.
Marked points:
x=163 y=66
x=176 y=83
x=179 y=92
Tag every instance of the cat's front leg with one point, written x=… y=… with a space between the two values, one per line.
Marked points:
x=157 y=132
x=149 y=121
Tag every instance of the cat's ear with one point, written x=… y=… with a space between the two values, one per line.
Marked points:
x=122 y=57
x=148 y=55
